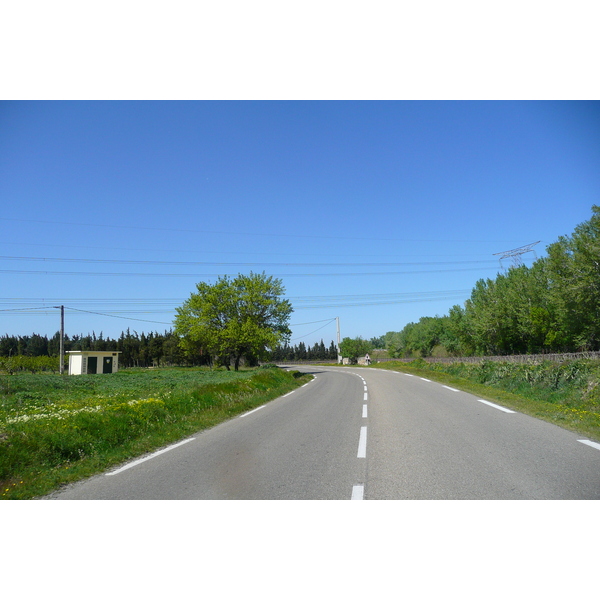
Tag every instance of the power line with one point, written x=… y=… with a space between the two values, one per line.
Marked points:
x=25 y=309
x=315 y=331
x=374 y=296
x=212 y=275
x=313 y=322
x=145 y=300
x=115 y=316
x=95 y=300
x=149 y=305
x=241 y=233
x=241 y=264
x=203 y=251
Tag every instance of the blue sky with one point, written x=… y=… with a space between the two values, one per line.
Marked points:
x=376 y=212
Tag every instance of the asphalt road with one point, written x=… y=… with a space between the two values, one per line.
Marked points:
x=371 y=434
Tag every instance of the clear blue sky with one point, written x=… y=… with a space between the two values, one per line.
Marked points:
x=376 y=212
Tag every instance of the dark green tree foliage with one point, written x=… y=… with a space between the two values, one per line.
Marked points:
x=377 y=342
x=301 y=352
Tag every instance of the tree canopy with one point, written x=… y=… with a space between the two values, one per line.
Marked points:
x=233 y=318
x=552 y=306
x=352 y=348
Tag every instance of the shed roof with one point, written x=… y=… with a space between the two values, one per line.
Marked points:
x=108 y=352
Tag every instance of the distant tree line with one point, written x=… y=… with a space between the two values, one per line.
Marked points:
x=552 y=306
x=303 y=352
x=137 y=350
x=355 y=347
x=146 y=350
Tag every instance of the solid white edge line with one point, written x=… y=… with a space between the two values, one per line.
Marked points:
x=362 y=443
x=506 y=410
x=358 y=492
x=592 y=444
x=449 y=388
x=251 y=411
x=154 y=454
x=364 y=413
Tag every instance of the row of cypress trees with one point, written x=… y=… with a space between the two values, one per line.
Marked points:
x=137 y=350
x=301 y=351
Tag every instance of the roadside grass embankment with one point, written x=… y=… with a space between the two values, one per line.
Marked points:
x=55 y=430
x=566 y=394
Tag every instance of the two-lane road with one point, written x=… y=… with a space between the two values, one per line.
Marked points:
x=356 y=433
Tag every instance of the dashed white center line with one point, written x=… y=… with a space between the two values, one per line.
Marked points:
x=506 y=410
x=364 y=414
x=362 y=443
x=358 y=492
x=366 y=396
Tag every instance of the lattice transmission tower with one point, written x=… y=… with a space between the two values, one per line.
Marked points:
x=516 y=254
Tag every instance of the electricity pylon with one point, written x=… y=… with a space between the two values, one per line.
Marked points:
x=516 y=254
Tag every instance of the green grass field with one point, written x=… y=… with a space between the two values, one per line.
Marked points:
x=58 y=429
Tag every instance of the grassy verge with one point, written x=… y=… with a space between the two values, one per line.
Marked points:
x=566 y=394
x=56 y=430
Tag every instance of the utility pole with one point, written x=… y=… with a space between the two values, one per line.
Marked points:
x=61 y=366
x=337 y=320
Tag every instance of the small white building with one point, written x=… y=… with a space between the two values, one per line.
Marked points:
x=90 y=362
x=364 y=360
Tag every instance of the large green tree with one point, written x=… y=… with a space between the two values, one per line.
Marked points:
x=233 y=318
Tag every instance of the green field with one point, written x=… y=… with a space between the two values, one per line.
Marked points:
x=58 y=429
